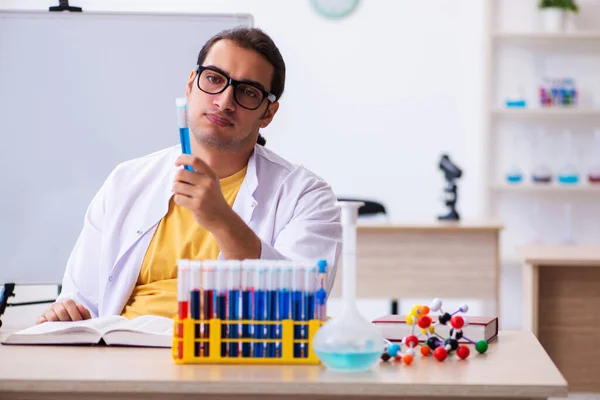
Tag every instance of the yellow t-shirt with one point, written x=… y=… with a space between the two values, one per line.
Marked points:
x=177 y=236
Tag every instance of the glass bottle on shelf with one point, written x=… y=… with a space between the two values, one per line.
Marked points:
x=568 y=173
x=514 y=173
x=594 y=174
x=541 y=172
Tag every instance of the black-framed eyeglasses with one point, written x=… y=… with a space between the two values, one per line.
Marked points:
x=247 y=95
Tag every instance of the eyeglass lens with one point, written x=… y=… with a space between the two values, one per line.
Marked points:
x=246 y=95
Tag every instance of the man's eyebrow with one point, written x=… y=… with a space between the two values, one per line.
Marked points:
x=248 y=81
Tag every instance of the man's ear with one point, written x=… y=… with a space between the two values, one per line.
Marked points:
x=190 y=84
x=268 y=117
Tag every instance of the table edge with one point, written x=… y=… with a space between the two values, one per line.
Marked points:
x=281 y=388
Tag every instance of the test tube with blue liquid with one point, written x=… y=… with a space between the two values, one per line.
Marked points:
x=297 y=305
x=321 y=295
x=310 y=288
x=248 y=267
x=182 y=122
x=271 y=304
x=284 y=309
x=208 y=300
x=195 y=303
x=221 y=300
x=259 y=309
x=234 y=282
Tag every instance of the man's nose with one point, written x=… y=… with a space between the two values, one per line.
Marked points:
x=225 y=100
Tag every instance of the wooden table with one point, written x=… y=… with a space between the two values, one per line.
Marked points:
x=561 y=292
x=514 y=367
x=455 y=259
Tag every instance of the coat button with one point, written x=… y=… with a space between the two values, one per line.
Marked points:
x=139 y=232
x=110 y=278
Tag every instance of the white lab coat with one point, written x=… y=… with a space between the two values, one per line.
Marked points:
x=289 y=208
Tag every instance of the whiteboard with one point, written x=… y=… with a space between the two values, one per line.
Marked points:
x=80 y=93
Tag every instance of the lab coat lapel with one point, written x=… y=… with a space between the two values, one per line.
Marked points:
x=245 y=203
x=149 y=215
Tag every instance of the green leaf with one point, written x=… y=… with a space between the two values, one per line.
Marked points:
x=568 y=5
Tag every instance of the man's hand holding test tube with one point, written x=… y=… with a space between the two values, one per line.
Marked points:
x=198 y=189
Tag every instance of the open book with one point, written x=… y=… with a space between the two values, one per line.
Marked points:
x=113 y=330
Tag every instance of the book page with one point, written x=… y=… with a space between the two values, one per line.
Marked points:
x=92 y=325
x=151 y=324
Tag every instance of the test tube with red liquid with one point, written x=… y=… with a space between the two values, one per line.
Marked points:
x=183 y=299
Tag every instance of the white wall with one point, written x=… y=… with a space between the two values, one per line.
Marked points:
x=372 y=100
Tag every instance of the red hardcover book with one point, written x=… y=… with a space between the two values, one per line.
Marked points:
x=394 y=328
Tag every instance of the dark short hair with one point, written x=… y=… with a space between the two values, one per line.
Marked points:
x=258 y=41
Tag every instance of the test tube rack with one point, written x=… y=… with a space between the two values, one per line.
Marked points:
x=248 y=312
x=184 y=348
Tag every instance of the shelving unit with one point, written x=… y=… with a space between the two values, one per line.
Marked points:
x=547 y=188
x=546 y=112
x=540 y=37
x=520 y=55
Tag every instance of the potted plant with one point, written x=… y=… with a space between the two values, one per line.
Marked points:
x=554 y=13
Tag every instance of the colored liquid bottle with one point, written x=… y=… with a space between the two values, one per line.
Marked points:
x=594 y=173
x=541 y=173
x=568 y=173
x=514 y=174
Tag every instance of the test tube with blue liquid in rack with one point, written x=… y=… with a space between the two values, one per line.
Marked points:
x=310 y=287
x=285 y=289
x=208 y=300
x=234 y=281
x=195 y=306
x=297 y=307
x=247 y=272
x=259 y=309
x=221 y=302
x=184 y=132
x=271 y=308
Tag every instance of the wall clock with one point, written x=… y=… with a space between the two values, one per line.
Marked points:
x=334 y=8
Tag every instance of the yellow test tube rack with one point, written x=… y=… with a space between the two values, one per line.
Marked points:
x=186 y=343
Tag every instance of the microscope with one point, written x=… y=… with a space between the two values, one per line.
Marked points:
x=451 y=173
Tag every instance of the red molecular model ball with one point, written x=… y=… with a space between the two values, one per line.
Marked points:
x=424 y=322
x=411 y=341
x=457 y=322
x=440 y=354
x=463 y=352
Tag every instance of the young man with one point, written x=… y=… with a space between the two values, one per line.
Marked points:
x=241 y=201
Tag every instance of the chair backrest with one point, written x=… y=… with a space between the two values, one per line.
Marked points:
x=370 y=207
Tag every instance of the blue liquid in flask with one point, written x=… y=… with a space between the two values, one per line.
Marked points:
x=568 y=179
x=514 y=178
x=348 y=361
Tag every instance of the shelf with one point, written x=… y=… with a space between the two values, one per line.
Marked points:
x=547 y=112
x=541 y=37
x=551 y=188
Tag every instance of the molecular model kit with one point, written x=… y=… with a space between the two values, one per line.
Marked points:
x=429 y=340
